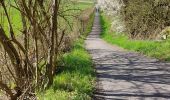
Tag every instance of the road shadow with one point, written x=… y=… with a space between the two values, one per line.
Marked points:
x=133 y=76
x=124 y=75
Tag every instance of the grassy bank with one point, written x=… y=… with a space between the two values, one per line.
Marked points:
x=76 y=79
x=159 y=50
x=75 y=82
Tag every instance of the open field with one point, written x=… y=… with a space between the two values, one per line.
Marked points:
x=17 y=21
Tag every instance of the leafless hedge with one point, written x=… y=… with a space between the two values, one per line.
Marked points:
x=145 y=19
x=28 y=62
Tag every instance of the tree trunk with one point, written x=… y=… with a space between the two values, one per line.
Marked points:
x=51 y=52
x=13 y=54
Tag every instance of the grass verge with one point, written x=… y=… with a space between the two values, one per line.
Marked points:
x=159 y=50
x=76 y=81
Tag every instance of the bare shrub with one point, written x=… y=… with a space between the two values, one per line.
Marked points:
x=144 y=19
x=28 y=61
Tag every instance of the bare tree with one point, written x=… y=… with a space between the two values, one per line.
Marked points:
x=32 y=56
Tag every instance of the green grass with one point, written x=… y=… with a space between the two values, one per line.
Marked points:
x=89 y=25
x=76 y=79
x=84 y=5
x=75 y=82
x=78 y=9
x=17 y=21
x=159 y=50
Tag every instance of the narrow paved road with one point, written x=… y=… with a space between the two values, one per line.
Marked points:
x=124 y=75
